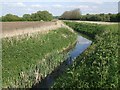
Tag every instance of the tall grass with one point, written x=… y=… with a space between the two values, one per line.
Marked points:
x=98 y=66
x=28 y=59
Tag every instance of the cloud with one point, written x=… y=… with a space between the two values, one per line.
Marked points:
x=82 y=7
x=15 y=4
x=20 y=4
x=96 y=1
x=20 y=8
x=37 y=6
x=57 y=5
x=79 y=6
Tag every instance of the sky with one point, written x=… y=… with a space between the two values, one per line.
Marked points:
x=58 y=7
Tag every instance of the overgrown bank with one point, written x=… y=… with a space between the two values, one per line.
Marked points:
x=28 y=59
x=98 y=66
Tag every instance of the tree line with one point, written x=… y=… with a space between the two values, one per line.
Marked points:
x=101 y=17
x=76 y=15
x=38 y=16
x=67 y=15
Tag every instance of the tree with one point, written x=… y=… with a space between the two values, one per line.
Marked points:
x=72 y=15
x=34 y=17
x=0 y=19
x=96 y=17
x=113 y=18
x=38 y=16
x=41 y=15
x=118 y=17
x=45 y=15
x=10 y=17
x=27 y=17
x=65 y=15
x=75 y=14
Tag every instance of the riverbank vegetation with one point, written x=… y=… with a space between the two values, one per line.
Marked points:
x=98 y=66
x=27 y=59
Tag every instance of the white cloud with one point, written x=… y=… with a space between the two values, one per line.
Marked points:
x=96 y=1
x=20 y=8
x=82 y=7
x=15 y=4
x=57 y=6
x=20 y=4
x=36 y=6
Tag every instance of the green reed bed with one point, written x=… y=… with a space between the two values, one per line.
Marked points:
x=27 y=59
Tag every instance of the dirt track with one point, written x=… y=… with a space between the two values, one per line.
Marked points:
x=105 y=23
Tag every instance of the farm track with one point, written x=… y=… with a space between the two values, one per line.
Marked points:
x=95 y=22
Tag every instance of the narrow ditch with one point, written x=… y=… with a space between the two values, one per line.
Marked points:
x=81 y=45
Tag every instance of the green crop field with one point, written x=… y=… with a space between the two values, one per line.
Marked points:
x=29 y=58
x=98 y=66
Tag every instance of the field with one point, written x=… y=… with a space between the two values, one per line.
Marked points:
x=10 y=29
x=28 y=58
x=98 y=66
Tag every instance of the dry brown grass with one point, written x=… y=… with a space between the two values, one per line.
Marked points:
x=10 y=29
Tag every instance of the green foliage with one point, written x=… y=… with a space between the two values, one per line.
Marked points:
x=100 y=17
x=26 y=59
x=71 y=15
x=118 y=17
x=27 y=17
x=10 y=17
x=83 y=28
x=56 y=17
x=92 y=17
x=0 y=19
x=40 y=15
x=98 y=66
x=113 y=17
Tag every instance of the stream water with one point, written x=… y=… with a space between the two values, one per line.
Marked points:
x=81 y=45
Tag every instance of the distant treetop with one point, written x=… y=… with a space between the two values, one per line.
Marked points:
x=38 y=16
x=72 y=15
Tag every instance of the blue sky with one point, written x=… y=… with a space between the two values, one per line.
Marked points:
x=58 y=7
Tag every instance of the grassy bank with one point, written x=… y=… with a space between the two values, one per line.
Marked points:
x=28 y=59
x=87 y=29
x=98 y=66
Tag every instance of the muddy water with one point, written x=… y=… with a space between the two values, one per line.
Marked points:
x=81 y=45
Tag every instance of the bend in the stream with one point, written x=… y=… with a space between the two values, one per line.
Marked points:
x=81 y=45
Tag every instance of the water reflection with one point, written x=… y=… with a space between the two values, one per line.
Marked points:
x=81 y=45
